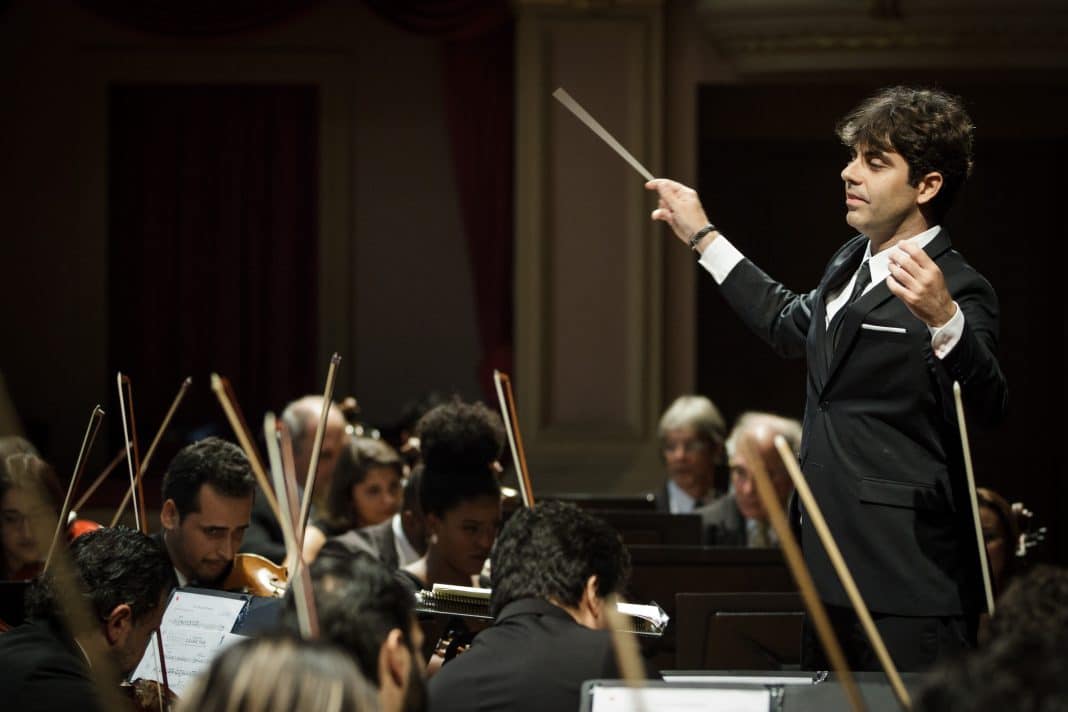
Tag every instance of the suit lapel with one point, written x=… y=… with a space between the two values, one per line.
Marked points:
x=837 y=274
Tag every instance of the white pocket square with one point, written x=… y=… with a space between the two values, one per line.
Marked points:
x=888 y=329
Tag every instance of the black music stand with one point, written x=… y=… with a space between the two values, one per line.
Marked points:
x=597 y=502
x=738 y=631
x=654 y=528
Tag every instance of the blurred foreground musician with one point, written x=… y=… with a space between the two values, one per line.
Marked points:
x=552 y=569
x=126 y=579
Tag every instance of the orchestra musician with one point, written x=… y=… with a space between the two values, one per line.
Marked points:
x=691 y=433
x=367 y=611
x=460 y=492
x=364 y=491
x=125 y=578
x=896 y=318
x=22 y=476
x=553 y=568
x=738 y=518
x=208 y=492
x=264 y=536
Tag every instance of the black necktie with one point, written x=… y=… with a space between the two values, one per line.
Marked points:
x=861 y=282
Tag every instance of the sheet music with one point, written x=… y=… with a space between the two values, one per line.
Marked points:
x=195 y=627
x=682 y=699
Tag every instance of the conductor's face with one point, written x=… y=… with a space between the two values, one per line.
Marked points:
x=880 y=203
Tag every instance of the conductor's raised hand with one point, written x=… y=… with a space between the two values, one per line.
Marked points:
x=916 y=280
x=679 y=207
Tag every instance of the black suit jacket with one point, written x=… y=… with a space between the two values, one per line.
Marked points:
x=880 y=447
x=377 y=540
x=722 y=523
x=44 y=670
x=534 y=657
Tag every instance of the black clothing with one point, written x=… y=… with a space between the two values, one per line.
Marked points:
x=880 y=447
x=43 y=669
x=377 y=540
x=722 y=523
x=535 y=657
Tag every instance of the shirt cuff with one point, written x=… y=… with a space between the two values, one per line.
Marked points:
x=719 y=258
x=945 y=337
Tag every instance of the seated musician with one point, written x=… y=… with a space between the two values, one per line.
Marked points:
x=396 y=542
x=365 y=490
x=459 y=492
x=280 y=672
x=553 y=568
x=208 y=492
x=367 y=611
x=264 y=536
x=691 y=434
x=24 y=478
x=739 y=518
x=125 y=579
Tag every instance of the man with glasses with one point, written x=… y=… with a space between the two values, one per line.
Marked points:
x=739 y=518
x=691 y=439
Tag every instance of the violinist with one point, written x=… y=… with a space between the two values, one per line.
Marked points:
x=125 y=578
x=365 y=490
x=207 y=503
x=460 y=493
x=20 y=475
x=301 y=417
x=367 y=611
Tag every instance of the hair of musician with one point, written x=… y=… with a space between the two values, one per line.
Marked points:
x=929 y=128
x=114 y=566
x=550 y=552
x=1035 y=604
x=358 y=456
x=460 y=437
x=1017 y=672
x=441 y=492
x=301 y=418
x=211 y=461
x=280 y=672
x=358 y=601
x=789 y=428
x=697 y=412
x=25 y=470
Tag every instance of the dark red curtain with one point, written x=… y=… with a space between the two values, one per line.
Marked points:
x=212 y=247
x=478 y=45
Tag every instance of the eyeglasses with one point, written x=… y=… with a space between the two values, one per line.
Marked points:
x=690 y=447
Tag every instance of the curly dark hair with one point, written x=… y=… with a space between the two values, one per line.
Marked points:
x=1035 y=604
x=929 y=128
x=212 y=461
x=357 y=458
x=550 y=551
x=441 y=492
x=1017 y=672
x=358 y=601
x=116 y=566
x=460 y=437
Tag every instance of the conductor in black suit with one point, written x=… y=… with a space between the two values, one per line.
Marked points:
x=896 y=318
x=553 y=568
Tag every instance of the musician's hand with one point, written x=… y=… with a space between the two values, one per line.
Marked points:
x=680 y=207
x=916 y=280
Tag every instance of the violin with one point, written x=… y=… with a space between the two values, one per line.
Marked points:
x=149 y=696
x=259 y=576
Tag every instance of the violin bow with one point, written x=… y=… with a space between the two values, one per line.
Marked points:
x=222 y=390
x=973 y=498
x=91 y=490
x=515 y=439
x=79 y=469
x=151 y=449
x=815 y=515
x=302 y=590
x=627 y=654
x=317 y=446
x=133 y=456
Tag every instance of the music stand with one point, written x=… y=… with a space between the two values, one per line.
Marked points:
x=738 y=631
x=598 y=502
x=654 y=528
